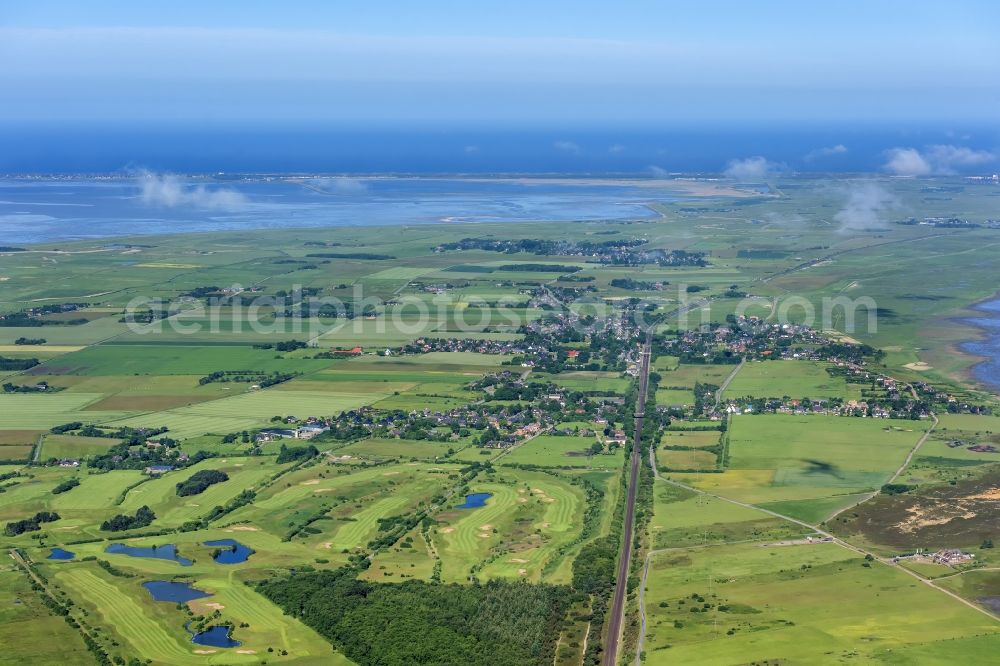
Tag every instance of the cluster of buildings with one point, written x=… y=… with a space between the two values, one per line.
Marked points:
x=307 y=429
x=750 y=337
x=950 y=557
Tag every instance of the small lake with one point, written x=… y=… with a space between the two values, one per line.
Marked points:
x=230 y=551
x=167 y=552
x=217 y=636
x=475 y=501
x=60 y=554
x=176 y=592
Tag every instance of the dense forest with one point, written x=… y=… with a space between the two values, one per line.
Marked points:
x=417 y=622
x=296 y=453
x=199 y=481
x=143 y=517
x=32 y=524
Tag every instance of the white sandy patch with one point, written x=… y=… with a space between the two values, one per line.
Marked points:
x=919 y=366
x=243 y=528
x=310 y=482
x=447 y=530
x=993 y=495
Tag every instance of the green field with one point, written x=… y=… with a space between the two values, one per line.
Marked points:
x=777 y=457
x=382 y=496
x=796 y=379
x=397 y=448
x=685 y=460
x=803 y=603
x=29 y=632
x=562 y=451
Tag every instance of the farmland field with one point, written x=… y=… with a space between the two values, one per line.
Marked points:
x=792 y=378
x=775 y=457
x=481 y=452
x=562 y=451
x=799 y=601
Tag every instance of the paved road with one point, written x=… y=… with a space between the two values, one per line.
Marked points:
x=725 y=384
x=621 y=584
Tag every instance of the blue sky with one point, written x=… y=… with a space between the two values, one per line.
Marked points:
x=499 y=62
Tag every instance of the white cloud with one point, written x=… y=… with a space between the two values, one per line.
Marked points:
x=938 y=159
x=751 y=168
x=616 y=149
x=948 y=157
x=829 y=151
x=169 y=191
x=658 y=172
x=567 y=147
x=907 y=162
x=865 y=207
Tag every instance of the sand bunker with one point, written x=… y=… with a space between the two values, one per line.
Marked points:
x=243 y=528
x=919 y=366
x=310 y=482
x=447 y=530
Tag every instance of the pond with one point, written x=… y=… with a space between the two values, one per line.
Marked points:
x=176 y=592
x=217 y=636
x=167 y=552
x=475 y=501
x=60 y=554
x=230 y=551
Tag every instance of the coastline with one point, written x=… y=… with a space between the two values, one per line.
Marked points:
x=121 y=208
x=980 y=333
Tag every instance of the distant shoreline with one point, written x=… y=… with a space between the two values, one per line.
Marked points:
x=983 y=334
